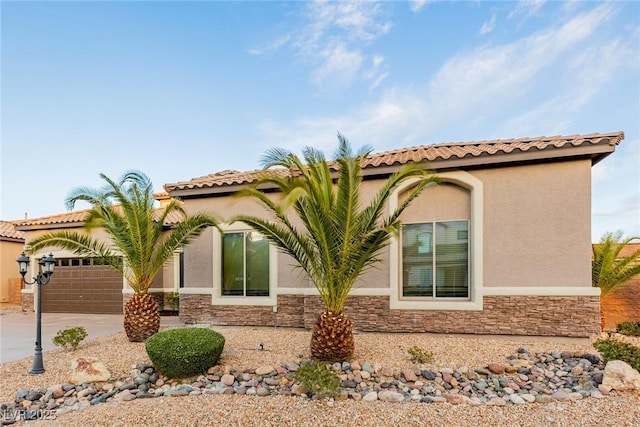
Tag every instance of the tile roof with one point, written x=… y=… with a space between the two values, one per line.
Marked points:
x=76 y=219
x=8 y=232
x=461 y=150
x=438 y=155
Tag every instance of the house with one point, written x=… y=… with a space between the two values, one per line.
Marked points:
x=11 y=246
x=84 y=285
x=485 y=252
x=623 y=303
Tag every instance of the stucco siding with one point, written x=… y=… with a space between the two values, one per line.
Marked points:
x=198 y=262
x=537 y=225
x=443 y=202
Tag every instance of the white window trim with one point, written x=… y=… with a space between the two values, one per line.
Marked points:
x=476 y=288
x=217 y=297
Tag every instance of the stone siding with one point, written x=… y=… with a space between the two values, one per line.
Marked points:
x=195 y=308
x=622 y=305
x=571 y=316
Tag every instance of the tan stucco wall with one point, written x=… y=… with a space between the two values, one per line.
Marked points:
x=198 y=262
x=200 y=254
x=537 y=225
x=443 y=202
x=9 y=252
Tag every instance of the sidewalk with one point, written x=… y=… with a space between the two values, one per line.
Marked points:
x=18 y=331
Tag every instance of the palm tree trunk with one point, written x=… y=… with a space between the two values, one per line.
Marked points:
x=141 y=317
x=332 y=338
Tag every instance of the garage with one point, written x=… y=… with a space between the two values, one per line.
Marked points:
x=83 y=285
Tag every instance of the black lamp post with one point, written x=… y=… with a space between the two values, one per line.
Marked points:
x=47 y=263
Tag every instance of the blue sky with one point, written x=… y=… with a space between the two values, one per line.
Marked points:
x=183 y=89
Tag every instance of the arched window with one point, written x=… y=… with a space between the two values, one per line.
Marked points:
x=436 y=261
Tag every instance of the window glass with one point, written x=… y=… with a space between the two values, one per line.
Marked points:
x=452 y=259
x=435 y=260
x=245 y=264
x=417 y=259
x=232 y=264
x=257 y=247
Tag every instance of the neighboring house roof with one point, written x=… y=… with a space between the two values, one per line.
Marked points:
x=75 y=219
x=629 y=249
x=8 y=232
x=468 y=155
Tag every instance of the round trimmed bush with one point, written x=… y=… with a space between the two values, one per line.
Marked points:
x=184 y=352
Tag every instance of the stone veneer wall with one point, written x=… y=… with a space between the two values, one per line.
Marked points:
x=622 y=305
x=572 y=316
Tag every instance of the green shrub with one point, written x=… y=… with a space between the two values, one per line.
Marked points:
x=174 y=300
x=319 y=378
x=612 y=349
x=419 y=355
x=70 y=339
x=184 y=352
x=629 y=328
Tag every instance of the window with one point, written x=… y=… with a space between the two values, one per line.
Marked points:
x=435 y=260
x=245 y=264
x=181 y=272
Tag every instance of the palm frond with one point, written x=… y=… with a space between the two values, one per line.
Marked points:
x=139 y=245
x=338 y=238
x=609 y=269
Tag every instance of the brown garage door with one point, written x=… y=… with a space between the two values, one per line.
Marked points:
x=82 y=285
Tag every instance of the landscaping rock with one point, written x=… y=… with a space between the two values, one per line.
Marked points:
x=523 y=379
x=618 y=375
x=88 y=370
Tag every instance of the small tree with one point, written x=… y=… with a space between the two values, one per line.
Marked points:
x=340 y=237
x=609 y=269
x=140 y=242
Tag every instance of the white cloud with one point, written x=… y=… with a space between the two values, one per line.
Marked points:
x=417 y=5
x=488 y=26
x=479 y=79
x=586 y=81
x=473 y=85
x=336 y=31
x=272 y=46
x=339 y=66
x=527 y=8
x=616 y=192
x=377 y=72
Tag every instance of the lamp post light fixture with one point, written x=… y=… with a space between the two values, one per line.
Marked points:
x=47 y=263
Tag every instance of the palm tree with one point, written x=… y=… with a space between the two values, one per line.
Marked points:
x=139 y=243
x=610 y=270
x=339 y=238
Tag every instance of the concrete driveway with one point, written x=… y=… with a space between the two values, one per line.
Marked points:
x=19 y=330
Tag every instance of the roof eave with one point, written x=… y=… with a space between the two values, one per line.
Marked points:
x=34 y=227
x=11 y=239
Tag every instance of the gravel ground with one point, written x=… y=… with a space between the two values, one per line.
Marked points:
x=285 y=345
